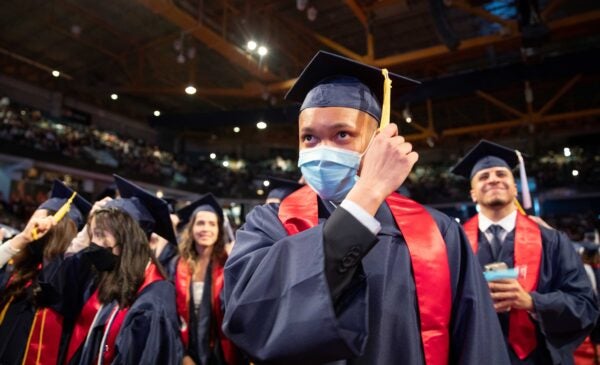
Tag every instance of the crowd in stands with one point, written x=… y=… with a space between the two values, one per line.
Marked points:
x=34 y=135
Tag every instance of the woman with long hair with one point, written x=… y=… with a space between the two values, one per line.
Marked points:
x=137 y=322
x=199 y=282
x=28 y=329
x=123 y=308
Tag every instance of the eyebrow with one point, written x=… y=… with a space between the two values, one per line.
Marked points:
x=337 y=125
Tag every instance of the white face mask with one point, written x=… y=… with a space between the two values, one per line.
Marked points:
x=330 y=171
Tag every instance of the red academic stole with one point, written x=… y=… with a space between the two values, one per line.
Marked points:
x=44 y=338
x=429 y=259
x=82 y=325
x=183 y=277
x=528 y=254
x=108 y=352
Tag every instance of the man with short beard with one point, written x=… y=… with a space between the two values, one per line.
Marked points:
x=547 y=307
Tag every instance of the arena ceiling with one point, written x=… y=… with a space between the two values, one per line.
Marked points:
x=148 y=51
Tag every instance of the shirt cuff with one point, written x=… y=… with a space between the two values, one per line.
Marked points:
x=7 y=252
x=362 y=216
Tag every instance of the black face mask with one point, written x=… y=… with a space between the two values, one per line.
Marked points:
x=102 y=257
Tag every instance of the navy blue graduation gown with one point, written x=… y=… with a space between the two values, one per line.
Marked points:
x=564 y=301
x=15 y=328
x=168 y=260
x=203 y=327
x=150 y=331
x=280 y=307
x=66 y=285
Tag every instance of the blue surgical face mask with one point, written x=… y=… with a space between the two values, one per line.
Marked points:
x=330 y=171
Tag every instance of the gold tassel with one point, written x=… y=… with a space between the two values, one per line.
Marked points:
x=387 y=92
x=519 y=207
x=60 y=214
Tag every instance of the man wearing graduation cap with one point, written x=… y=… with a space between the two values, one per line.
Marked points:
x=548 y=308
x=345 y=269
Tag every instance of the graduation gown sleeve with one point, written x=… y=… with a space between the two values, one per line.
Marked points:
x=564 y=302
x=278 y=303
x=67 y=283
x=150 y=332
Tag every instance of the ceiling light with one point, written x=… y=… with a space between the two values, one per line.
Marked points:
x=567 y=151
x=575 y=172
x=55 y=73
x=236 y=129
x=225 y=163
x=114 y=96
x=406 y=114
x=159 y=194
x=311 y=13
x=260 y=192
x=157 y=113
x=190 y=90
x=301 y=4
x=266 y=183
x=261 y=125
x=262 y=51
x=213 y=156
x=251 y=45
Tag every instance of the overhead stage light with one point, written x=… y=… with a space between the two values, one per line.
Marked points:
x=262 y=51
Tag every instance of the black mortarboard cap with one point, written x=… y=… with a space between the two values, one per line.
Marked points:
x=330 y=80
x=484 y=155
x=156 y=208
x=587 y=247
x=60 y=195
x=207 y=203
x=281 y=188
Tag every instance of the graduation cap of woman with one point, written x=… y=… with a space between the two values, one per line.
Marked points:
x=151 y=212
x=331 y=80
x=488 y=154
x=206 y=203
x=60 y=196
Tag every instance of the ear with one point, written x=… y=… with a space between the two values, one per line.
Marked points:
x=473 y=197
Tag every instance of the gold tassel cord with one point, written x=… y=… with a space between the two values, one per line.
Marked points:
x=29 y=338
x=387 y=92
x=5 y=309
x=60 y=214
x=519 y=207
x=39 y=352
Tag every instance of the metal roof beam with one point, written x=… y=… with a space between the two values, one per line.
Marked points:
x=170 y=12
